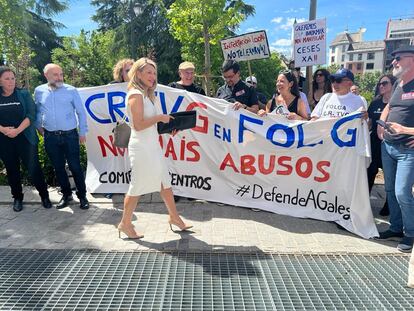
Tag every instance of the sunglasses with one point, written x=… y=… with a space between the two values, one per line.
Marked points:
x=319 y=74
x=338 y=80
x=398 y=58
x=383 y=83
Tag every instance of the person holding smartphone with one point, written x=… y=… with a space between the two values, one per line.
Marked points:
x=383 y=92
x=398 y=151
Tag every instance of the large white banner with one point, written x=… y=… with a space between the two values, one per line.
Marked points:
x=310 y=43
x=298 y=168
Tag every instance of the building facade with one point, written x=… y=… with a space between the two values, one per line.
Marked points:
x=399 y=32
x=348 y=50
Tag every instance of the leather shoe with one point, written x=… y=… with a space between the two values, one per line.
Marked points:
x=84 y=203
x=64 y=201
x=46 y=203
x=17 y=205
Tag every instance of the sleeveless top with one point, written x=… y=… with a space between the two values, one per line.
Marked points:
x=293 y=106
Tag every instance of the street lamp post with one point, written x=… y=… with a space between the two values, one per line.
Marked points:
x=312 y=16
x=135 y=10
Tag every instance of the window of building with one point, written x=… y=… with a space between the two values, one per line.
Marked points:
x=371 y=56
x=359 y=66
x=333 y=59
x=350 y=66
x=333 y=50
x=369 y=66
x=343 y=48
x=351 y=57
x=343 y=57
x=359 y=56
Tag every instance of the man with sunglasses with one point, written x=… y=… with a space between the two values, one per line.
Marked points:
x=342 y=101
x=235 y=90
x=398 y=151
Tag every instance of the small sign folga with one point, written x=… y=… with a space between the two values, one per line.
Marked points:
x=310 y=43
x=253 y=45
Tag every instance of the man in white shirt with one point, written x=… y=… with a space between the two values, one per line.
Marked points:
x=342 y=101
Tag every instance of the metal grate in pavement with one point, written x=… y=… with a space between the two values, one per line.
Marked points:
x=94 y=280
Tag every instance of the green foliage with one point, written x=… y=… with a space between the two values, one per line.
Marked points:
x=13 y=36
x=141 y=29
x=27 y=35
x=200 y=25
x=87 y=59
x=367 y=81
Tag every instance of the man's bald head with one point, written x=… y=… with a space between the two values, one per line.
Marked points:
x=54 y=75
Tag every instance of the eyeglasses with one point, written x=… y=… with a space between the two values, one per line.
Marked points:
x=338 y=80
x=319 y=74
x=383 y=83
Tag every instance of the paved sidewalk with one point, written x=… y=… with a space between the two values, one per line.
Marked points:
x=216 y=228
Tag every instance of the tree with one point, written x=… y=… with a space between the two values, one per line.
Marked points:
x=367 y=83
x=13 y=36
x=87 y=59
x=141 y=28
x=27 y=34
x=200 y=25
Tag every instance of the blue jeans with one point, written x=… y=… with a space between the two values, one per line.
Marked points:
x=62 y=146
x=398 y=166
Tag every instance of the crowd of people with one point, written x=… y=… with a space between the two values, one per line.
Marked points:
x=57 y=113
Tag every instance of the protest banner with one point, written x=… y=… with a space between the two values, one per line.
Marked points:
x=249 y=46
x=298 y=168
x=309 y=43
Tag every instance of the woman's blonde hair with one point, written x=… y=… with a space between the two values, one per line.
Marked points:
x=117 y=72
x=136 y=83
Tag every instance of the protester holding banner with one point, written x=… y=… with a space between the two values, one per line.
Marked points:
x=59 y=112
x=320 y=86
x=235 y=90
x=383 y=94
x=341 y=102
x=287 y=99
x=149 y=169
x=398 y=151
x=18 y=139
x=186 y=71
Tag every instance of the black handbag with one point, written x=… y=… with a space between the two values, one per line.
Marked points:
x=122 y=133
x=182 y=121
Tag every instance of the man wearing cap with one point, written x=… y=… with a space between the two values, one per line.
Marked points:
x=186 y=71
x=235 y=90
x=398 y=151
x=252 y=81
x=342 y=101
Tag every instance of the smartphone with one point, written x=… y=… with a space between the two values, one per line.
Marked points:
x=386 y=126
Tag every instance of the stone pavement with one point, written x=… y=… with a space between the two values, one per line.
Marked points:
x=216 y=228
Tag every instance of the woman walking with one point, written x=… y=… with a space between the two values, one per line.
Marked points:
x=149 y=170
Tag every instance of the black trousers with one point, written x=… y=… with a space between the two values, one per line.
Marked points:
x=376 y=162
x=13 y=151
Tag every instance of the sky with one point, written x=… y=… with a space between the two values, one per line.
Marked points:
x=277 y=16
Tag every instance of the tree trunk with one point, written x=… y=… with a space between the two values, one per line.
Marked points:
x=207 y=61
